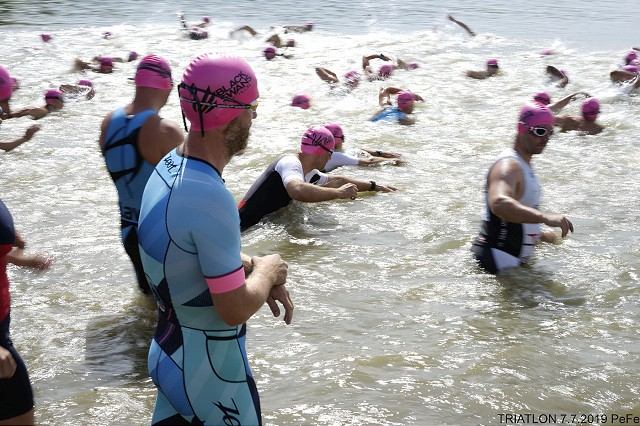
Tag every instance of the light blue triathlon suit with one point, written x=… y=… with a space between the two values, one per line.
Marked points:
x=189 y=233
x=129 y=172
x=391 y=113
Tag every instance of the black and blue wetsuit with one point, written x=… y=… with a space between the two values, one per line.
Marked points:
x=130 y=173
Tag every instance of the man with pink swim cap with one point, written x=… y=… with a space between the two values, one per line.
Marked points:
x=298 y=177
x=205 y=288
x=365 y=157
x=491 y=71
x=54 y=101
x=132 y=140
x=405 y=101
x=585 y=124
x=511 y=221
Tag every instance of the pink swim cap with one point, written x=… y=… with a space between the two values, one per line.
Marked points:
x=630 y=56
x=335 y=129
x=352 y=79
x=52 y=95
x=534 y=114
x=317 y=140
x=492 y=63
x=85 y=82
x=105 y=61
x=206 y=19
x=133 y=55
x=45 y=37
x=542 y=98
x=291 y=43
x=154 y=72
x=385 y=71
x=413 y=65
x=215 y=90
x=269 y=52
x=301 y=101
x=547 y=52
x=631 y=68
x=6 y=84
x=405 y=100
x=590 y=109
x=309 y=26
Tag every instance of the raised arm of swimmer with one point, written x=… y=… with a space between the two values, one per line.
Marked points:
x=462 y=25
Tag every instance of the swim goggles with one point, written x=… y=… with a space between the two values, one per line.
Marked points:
x=540 y=131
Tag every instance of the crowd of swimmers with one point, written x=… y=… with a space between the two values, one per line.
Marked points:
x=182 y=228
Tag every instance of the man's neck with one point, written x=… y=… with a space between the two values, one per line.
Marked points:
x=309 y=162
x=210 y=148
x=526 y=156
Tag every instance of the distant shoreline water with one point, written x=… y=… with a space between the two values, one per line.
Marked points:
x=592 y=26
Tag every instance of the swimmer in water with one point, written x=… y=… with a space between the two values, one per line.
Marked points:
x=133 y=139
x=491 y=71
x=206 y=20
x=275 y=40
x=384 y=71
x=83 y=88
x=298 y=177
x=405 y=101
x=369 y=158
x=131 y=56
x=462 y=25
x=511 y=222
x=16 y=400
x=104 y=66
x=298 y=28
x=351 y=78
x=301 y=101
x=586 y=123
x=54 y=101
x=28 y=134
x=271 y=52
x=543 y=98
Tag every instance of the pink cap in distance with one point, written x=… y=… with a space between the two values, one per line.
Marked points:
x=85 y=82
x=385 y=71
x=269 y=52
x=492 y=63
x=352 y=79
x=45 y=37
x=534 y=114
x=301 y=101
x=105 y=61
x=335 y=129
x=6 y=84
x=317 y=140
x=291 y=43
x=52 y=95
x=154 y=72
x=590 y=109
x=215 y=90
x=631 y=55
x=542 y=98
x=405 y=100
x=206 y=19
x=133 y=55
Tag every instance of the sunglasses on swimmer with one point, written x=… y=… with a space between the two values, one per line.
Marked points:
x=540 y=131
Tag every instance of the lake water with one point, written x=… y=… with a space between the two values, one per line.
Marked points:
x=394 y=323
